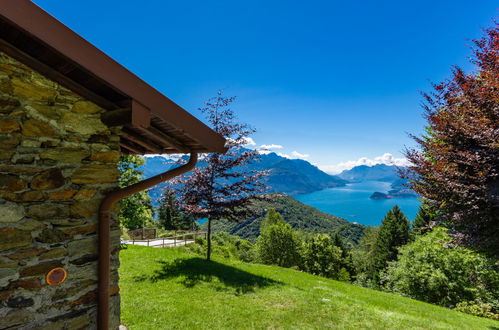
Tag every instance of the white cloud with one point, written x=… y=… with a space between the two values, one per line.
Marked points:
x=271 y=146
x=386 y=159
x=248 y=142
x=298 y=155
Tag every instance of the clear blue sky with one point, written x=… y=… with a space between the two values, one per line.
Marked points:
x=337 y=80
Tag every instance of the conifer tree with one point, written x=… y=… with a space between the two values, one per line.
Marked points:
x=169 y=215
x=393 y=233
x=422 y=220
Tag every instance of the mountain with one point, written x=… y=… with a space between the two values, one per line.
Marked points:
x=300 y=216
x=379 y=172
x=289 y=176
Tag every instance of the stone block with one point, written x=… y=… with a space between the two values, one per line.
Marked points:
x=35 y=128
x=32 y=91
x=11 y=212
x=14 y=238
x=85 y=193
x=44 y=211
x=83 y=124
x=16 y=317
x=85 y=209
x=86 y=107
x=53 y=253
x=40 y=268
x=9 y=126
x=49 y=179
x=66 y=155
x=62 y=194
x=11 y=182
x=95 y=174
x=106 y=157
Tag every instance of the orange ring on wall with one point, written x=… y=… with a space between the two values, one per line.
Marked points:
x=56 y=276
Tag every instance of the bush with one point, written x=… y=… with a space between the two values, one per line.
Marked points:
x=279 y=245
x=477 y=308
x=429 y=269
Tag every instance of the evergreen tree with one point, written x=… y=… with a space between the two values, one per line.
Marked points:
x=422 y=221
x=393 y=233
x=167 y=212
x=169 y=215
x=136 y=210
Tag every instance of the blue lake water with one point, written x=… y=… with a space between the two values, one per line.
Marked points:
x=352 y=202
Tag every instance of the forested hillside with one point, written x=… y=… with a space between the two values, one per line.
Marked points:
x=300 y=216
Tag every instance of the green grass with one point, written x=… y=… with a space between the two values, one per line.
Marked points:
x=169 y=289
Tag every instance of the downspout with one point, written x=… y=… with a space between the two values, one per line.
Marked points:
x=104 y=232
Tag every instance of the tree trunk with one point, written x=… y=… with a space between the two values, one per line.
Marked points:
x=208 y=254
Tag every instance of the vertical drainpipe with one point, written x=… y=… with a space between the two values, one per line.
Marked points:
x=104 y=232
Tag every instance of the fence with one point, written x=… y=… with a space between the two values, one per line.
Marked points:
x=177 y=240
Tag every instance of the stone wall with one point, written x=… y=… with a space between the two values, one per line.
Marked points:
x=57 y=161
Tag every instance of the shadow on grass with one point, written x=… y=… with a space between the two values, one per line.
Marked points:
x=197 y=270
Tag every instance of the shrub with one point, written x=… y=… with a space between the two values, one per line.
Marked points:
x=429 y=269
x=477 y=308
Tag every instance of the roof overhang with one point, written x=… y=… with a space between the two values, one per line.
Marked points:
x=152 y=123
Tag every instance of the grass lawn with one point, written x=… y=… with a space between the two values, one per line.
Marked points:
x=169 y=289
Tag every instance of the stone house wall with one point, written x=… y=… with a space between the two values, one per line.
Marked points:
x=57 y=161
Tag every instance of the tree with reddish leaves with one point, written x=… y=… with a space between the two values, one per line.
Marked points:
x=222 y=187
x=456 y=167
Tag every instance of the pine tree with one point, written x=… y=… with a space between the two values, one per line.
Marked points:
x=169 y=215
x=167 y=211
x=136 y=210
x=393 y=233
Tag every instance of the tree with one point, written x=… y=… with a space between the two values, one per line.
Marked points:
x=136 y=210
x=322 y=257
x=433 y=270
x=456 y=167
x=278 y=244
x=346 y=255
x=393 y=233
x=224 y=188
x=422 y=221
x=272 y=218
x=363 y=257
x=169 y=215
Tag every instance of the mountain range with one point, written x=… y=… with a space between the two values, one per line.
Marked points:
x=289 y=176
x=292 y=176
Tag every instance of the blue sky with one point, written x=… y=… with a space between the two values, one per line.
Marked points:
x=338 y=81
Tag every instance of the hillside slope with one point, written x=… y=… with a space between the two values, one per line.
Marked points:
x=169 y=289
x=300 y=216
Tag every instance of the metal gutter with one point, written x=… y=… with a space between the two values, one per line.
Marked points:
x=105 y=231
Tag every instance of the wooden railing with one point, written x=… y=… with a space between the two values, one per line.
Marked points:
x=170 y=241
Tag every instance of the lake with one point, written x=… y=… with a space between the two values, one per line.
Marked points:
x=352 y=202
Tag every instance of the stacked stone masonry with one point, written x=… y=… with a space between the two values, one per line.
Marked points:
x=57 y=161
